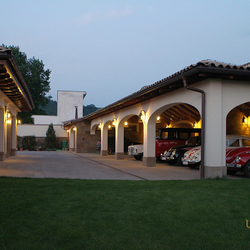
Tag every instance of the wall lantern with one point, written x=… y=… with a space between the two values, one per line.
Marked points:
x=8 y=117
x=68 y=130
x=114 y=123
x=195 y=124
x=244 y=119
x=99 y=126
x=126 y=124
x=19 y=122
x=109 y=126
x=158 y=119
x=74 y=129
x=142 y=116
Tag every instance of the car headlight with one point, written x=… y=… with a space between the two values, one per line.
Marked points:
x=237 y=159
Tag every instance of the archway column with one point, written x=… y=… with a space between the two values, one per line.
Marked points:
x=104 y=140
x=215 y=132
x=13 y=135
x=119 y=141
x=2 y=135
x=149 y=159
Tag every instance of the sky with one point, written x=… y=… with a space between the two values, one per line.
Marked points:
x=111 y=49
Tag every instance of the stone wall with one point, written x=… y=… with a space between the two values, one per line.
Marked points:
x=86 y=143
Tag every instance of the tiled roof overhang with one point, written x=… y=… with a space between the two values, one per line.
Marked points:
x=194 y=73
x=12 y=83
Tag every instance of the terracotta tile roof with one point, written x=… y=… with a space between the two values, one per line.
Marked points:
x=195 y=72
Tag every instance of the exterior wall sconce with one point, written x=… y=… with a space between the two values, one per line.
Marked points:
x=109 y=126
x=8 y=117
x=195 y=124
x=142 y=115
x=126 y=124
x=19 y=122
x=244 y=119
x=68 y=130
x=114 y=123
x=74 y=129
x=158 y=119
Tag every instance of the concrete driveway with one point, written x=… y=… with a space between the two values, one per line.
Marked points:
x=65 y=164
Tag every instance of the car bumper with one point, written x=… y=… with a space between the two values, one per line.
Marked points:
x=186 y=163
x=234 y=166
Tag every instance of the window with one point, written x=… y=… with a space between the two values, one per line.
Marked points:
x=245 y=142
x=233 y=143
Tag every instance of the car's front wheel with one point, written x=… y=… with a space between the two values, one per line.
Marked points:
x=231 y=172
x=247 y=170
x=179 y=160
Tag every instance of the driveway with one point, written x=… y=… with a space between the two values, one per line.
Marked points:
x=65 y=164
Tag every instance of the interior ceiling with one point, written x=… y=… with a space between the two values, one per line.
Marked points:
x=11 y=90
x=244 y=108
x=180 y=112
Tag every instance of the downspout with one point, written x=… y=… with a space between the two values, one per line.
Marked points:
x=184 y=78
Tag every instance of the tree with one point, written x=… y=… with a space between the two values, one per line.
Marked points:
x=89 y=109
x=37 y=80
x=50 y=139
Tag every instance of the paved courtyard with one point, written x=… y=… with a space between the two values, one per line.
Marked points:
x=65 y=164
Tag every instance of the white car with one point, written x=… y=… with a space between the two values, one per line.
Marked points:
x=192 y=158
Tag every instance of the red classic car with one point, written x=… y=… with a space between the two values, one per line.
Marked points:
x=238 y=159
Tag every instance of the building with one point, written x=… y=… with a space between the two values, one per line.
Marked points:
x=69 y=105
x=210 y=94
x=14 y=97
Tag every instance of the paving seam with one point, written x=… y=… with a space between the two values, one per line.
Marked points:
x=110 y=167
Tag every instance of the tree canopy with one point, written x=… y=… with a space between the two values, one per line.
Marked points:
x=37 y=80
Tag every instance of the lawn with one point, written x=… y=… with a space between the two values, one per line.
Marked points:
x=95 y=214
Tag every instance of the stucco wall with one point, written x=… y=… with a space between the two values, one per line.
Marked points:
x=66 y=108
x=39 y=130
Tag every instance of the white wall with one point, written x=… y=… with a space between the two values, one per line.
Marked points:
x=39 y=130
x=66 y=102
x=66 y=108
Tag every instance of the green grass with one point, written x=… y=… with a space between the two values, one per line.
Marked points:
x=87 y=214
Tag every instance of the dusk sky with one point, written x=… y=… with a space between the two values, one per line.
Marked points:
x=111 y=49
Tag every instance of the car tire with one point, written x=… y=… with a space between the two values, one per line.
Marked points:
x=231 y=172
x=179 y=160
x=247 y=170
x=137 y=157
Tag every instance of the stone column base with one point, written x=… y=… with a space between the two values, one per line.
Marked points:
x=2 y=156
x=104 y=152
x=149 y=161
x=215 y=172
x=119 y=156
x=13 y=152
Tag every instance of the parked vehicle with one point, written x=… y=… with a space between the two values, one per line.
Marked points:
x=192 y=158
x=175 y=154
x=238 y=159
x=168 y=138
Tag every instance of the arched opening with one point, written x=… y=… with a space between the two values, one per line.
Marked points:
x=180 y=115
x=238 y=120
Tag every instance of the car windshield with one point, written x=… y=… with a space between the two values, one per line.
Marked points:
x=192 y=141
